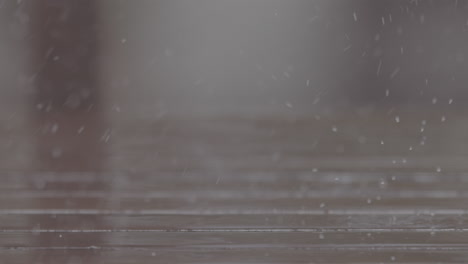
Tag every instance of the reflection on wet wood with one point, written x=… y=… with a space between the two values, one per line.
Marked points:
x=258 y=218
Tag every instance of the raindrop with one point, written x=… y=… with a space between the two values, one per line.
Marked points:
x=54 y=128
x=56 y=153
x=395 y=72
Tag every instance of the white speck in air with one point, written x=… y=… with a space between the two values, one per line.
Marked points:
x=289 y=105
x=321 y=236
x=442 y=119
x=382 y=142
x=450 y=101
x=383 y=21
x=369 y=201
x=362 y=140
x=392 y=258
x=54 y=128
x=322 y=205
x=56 y=153
x=123 y=40
x=81 y=129
x=308 y=83
x=438 y=169
x=434 y=100
x=397 y=119
x=153 y=254
x=395 y=72
x=355 y=16
x=334 y=129
x=314 y=170
x=379 y=67
x=387 y=92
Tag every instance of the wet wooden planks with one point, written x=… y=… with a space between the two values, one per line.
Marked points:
x=263 y=218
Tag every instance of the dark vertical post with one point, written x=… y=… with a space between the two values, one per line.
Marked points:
x=67 y=100
x=70 y=129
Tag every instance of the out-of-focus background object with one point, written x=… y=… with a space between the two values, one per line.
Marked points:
x=233 y=131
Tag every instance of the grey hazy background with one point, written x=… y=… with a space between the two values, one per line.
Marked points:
x=358 y=67
x=274 y=57
x=262 y=56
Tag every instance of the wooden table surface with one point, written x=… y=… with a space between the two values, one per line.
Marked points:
x=224 y=190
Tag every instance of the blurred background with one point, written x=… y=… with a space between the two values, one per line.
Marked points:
x=376 y=72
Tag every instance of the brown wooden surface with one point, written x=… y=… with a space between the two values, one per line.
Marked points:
x=215 y=191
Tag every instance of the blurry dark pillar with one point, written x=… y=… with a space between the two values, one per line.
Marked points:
x=68 y=117
x=67 y=101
